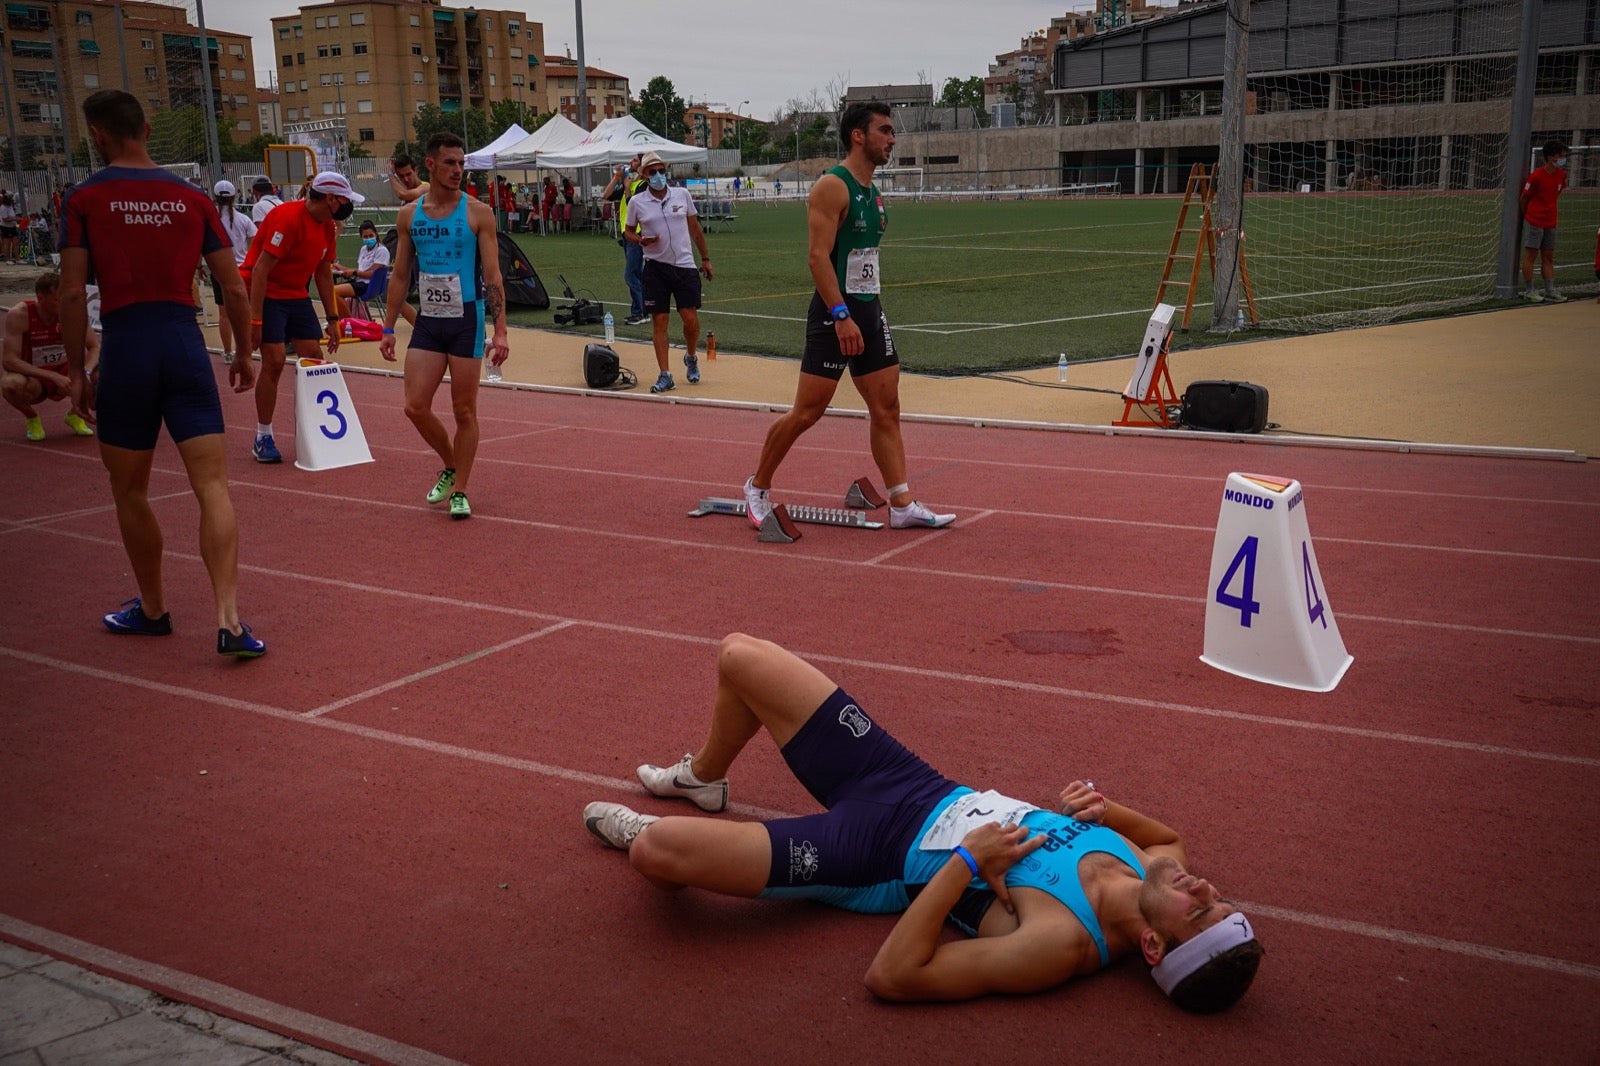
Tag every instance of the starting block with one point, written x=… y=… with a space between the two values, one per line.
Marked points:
x=1267 y=612
x=327 y=431
x=779 y=527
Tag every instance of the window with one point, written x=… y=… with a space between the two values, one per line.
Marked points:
x=492 y=80
x=333 y=22
x=32 y=49
x=358 y=19
x=416 y=77
x=364 y=107
x=363 y=77
x=288 y=86
x=516 y=53
x=491 y=51
x=416 y=49
x=516 y=79
x=288 y=61
x=91 y=81
x=359 y=48
x=291 y=114
x=236 y=50
x=85 y=18
x=320 y=23
x=27 y=17
x=236 y=74
x=149 y=73
x=513 y=27
x=299 y=31
x=327 y=109
x=244 y=125
x=416 y=20
x=283 y=33
x=302 y=85
x=327 y=79
x=147 y=43
x=322 y=51
x=367 y=135
x=300 y=58
x=338 y=50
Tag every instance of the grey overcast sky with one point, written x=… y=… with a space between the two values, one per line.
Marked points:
x=763 y=51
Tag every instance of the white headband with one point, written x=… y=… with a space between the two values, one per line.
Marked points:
x=1192 y=954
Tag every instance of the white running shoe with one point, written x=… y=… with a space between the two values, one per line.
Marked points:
x=915 y=515
x=757 y=506
x=1551 y=296
x=614 y=825
x=678 y=781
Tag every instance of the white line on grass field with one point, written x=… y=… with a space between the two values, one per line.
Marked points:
x=230 y=1001
x=562 y=773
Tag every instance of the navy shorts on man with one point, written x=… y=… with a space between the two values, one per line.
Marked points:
x=822 y=356
x=154 y=368
x=665 y=283
x=285 y=321
x=460 y=336
x=878 y=795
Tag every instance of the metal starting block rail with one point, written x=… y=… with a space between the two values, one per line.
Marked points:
x=779 y=527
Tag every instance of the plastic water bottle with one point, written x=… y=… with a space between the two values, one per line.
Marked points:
x=494 y=371
x=1240 y=323
x=711 y=347
x=611 y=329
x=1061 y=367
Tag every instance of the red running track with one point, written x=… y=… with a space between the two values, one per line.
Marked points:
x=377 y=825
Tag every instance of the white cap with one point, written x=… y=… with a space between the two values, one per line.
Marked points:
x=336 y=184
x=224 y=188
x=1198 y=950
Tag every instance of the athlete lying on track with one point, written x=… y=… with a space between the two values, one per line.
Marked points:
x=1077 y=890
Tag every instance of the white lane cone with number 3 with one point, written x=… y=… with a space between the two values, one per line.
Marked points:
x=1267 y=612
x=327 y=433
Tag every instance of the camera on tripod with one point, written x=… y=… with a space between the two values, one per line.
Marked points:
x=581 y=311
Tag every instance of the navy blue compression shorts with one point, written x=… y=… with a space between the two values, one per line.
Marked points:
x=283 y=321
x=154 y=368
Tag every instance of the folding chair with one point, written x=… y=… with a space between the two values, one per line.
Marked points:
x=377 y=293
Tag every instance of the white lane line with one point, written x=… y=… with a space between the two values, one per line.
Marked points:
x=630 y=786
x=227 y=999
x=400 y=682
x=922 y=571
x=1423 y=940
x=926 y=538
x=61 y=516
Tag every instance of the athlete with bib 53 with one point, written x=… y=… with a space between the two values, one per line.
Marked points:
x=36 y=357
x=452 y=237
x=846 y=327
x=1077 y=887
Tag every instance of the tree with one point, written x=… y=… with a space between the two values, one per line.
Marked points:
x=661 y=109
x=503 y=114
x=964 y=92
x=431 y=118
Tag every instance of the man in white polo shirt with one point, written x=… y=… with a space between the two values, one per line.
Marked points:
x=662 y=220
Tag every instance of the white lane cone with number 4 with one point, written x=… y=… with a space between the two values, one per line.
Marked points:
x=1267 y=612
x=327 y=432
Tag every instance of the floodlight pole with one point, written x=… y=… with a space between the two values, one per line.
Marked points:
x=1505 y=283
x=1228 y=177
x=213 y=151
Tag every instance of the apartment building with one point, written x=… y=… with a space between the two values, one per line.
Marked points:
x=706 y=128
x=376 y=62
x=608 y=93
x=57 y=52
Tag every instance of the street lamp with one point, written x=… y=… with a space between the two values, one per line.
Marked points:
x=738 y=129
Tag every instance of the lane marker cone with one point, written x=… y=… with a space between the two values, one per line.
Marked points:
x=327 y=431
x=1267 y=612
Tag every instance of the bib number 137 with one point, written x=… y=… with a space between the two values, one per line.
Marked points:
x=1237 y=589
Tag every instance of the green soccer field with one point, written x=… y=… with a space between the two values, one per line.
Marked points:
x=1002 y=284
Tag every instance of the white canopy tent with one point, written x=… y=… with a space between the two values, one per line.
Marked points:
x=558 y=134
x=483 y=158
x=617 y=140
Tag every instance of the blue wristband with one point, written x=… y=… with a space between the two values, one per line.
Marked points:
x=966 y=857
x=388 y=332
x=839 y=312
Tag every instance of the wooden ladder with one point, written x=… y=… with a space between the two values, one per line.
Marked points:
x=1198 y=193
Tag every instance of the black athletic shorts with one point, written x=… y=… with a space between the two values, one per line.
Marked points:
x=822 y=356
x=664 y=283
x=285 y=321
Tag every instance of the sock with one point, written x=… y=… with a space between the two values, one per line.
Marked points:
x=263 y=431
x=895 y=490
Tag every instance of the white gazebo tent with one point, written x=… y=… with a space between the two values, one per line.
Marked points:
x=483 y=158
x=558 y=134
x=617 y=140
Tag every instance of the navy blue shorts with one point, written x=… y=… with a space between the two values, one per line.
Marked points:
x=283 y=321
x=461 y=337
x=154 y=368
x=664 y=283
x=878 y=796
x=822 y=356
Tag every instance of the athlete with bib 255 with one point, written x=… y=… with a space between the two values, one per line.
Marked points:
x=452 y=237
x=846 y=327
x=1078 y=887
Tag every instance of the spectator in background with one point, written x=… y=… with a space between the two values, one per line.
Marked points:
x=9 y=230
x=550 y=194
x=662 y=221
x=266 y=199
x=625 y=182
x=1539 y=195
x=241 y=230
x=404 y=181
x=372 y=257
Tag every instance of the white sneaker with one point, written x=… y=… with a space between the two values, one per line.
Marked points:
x=614 y=825
x=756 y=503
x=1532 y=297
x=1551 y=296
x=916 y=516
x=678 y=781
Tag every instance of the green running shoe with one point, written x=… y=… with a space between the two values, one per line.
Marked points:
x=441 y=488
x=459 y=507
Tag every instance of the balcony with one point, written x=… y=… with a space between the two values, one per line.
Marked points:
x=445 y=59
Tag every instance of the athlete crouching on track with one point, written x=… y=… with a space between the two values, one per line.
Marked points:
x=1077 y=889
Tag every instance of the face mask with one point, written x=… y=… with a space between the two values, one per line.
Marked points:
x=344 y=211
x=1562 y=162
x=370 y=242
x=658 y=181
